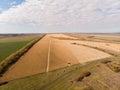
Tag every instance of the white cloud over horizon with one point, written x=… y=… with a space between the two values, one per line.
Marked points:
x=65 y=13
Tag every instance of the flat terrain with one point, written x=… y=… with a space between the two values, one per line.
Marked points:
x=105 y=46
x=36 y=59
x=67 y=62
x=51 y=54
x=97 y=37
x=110 y=37
x=85 y=54
x=10 y=44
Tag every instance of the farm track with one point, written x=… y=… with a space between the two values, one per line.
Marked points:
x=48 y=61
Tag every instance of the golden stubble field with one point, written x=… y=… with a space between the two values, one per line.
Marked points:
x=113 y=47
x=49 y=54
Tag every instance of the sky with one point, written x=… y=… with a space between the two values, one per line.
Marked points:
x=51 y=16
x=6 y=4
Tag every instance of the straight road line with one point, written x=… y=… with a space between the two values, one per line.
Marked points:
x=48 y=60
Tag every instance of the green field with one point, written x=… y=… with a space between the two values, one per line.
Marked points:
x=13 y=44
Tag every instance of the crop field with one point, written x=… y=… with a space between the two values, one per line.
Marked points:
x=61 y=55
x=110 y=37
x=11 y=44
x=98 y=37
x=62 y=62
x=85 y=54
x=105 y=46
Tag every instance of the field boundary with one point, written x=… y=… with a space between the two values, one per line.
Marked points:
x=13 y=58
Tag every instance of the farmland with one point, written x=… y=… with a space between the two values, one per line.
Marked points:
x=65 y=62
x=10 y=44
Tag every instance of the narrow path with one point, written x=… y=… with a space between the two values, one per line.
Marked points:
x=48 y=60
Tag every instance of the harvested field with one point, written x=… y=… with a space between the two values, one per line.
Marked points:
x=110 y=37
x=53 y=64
x=62 y=36
x=105 y=46
x=36 y=59
x=60 y=55
x=44 y=57
x=85 y=54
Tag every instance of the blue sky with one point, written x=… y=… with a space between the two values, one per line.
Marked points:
x=59 y=16
x=6 y=4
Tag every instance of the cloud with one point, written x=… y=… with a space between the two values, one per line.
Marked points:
x=66 y=13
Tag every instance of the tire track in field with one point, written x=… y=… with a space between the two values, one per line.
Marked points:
x=48 y=61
